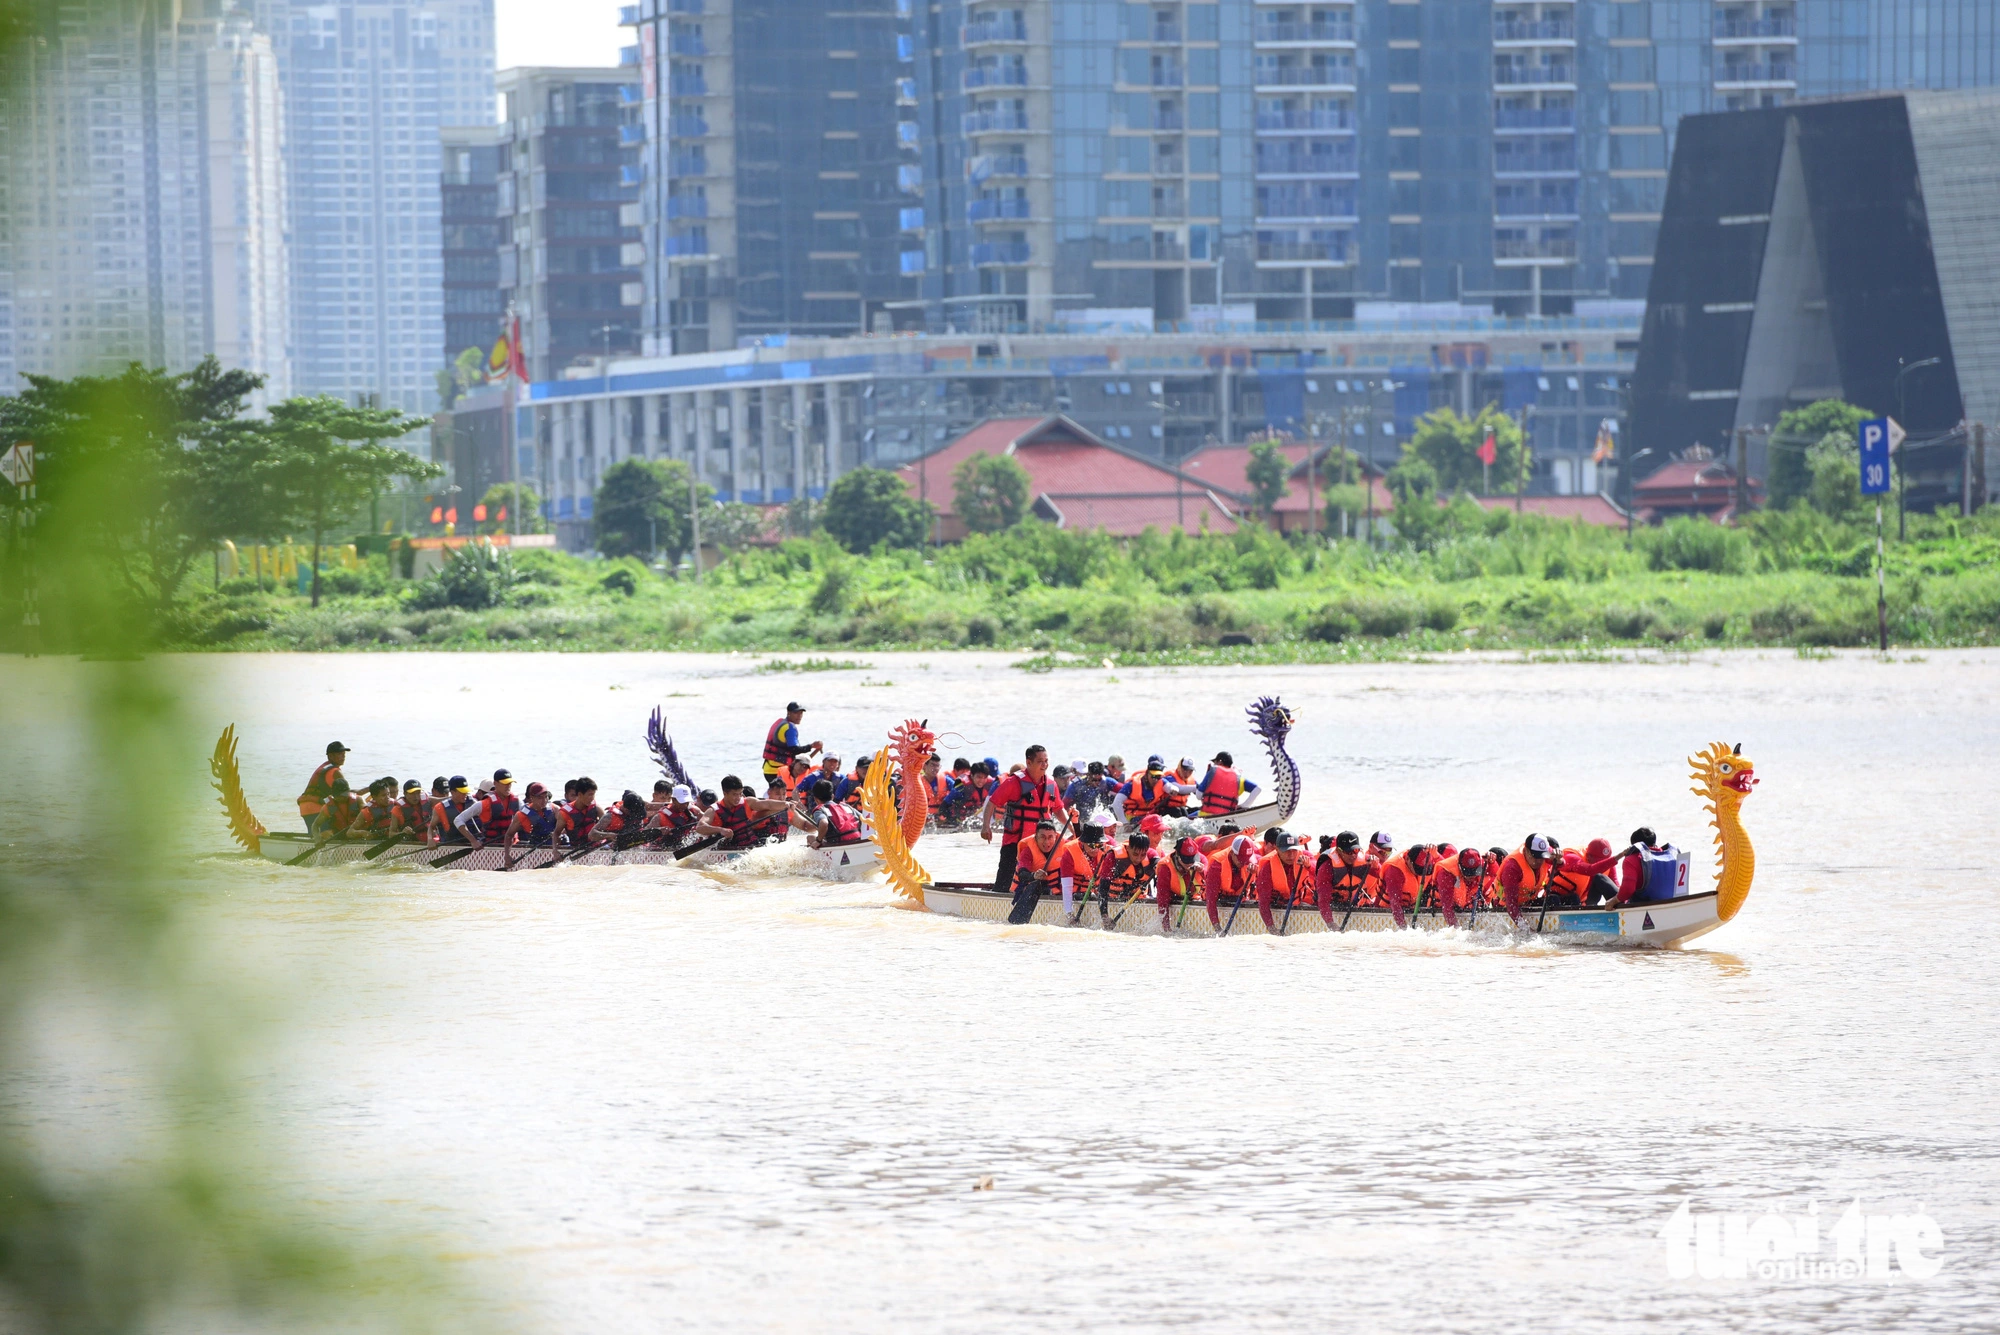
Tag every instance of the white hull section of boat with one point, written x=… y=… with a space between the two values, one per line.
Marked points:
x=1658 y=924
x=851 y=862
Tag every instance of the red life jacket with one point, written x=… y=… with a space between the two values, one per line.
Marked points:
x=1225 y=786
x=842 y=825
x=374 y=818
x=677 y=817
x=1036 y=802
x=937 y=790
x=736 y=820
x=777 y=752
x=581 y=819
x=416 y=813
x=496 y=813
x=318 y=789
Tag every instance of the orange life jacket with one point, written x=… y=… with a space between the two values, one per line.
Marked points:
x=1532 y=882
x=1574 y=881
x=1349 y=880
x=1413 y=880
x=1145 y=798
x=1282 y=881
x=1225 y=789
x=318 y=789
x=1232 y=875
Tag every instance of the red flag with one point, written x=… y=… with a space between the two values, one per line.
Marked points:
x=451 y=515
x=478 y=514
x=517 y=360
x=1490 y=451
x=502 y=516
x=437 y=514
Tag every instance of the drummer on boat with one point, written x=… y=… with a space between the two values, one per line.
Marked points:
x=781 y=742
x=320 y=786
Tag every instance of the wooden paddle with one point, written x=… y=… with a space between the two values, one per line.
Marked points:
x=300 y=859
x=377 y=850
x=447 y=860
x=1144 y=881
x=699 y=845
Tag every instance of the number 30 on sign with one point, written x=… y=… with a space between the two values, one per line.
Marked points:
x=1879 y=437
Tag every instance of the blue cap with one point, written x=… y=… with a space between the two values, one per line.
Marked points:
x=993 y=763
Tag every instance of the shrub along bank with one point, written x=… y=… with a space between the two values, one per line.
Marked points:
x=1792 y=577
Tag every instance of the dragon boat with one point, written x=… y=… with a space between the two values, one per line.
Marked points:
x=849 y=862
x=1722 y=776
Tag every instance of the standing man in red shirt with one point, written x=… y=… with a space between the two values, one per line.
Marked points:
x=1023 y=800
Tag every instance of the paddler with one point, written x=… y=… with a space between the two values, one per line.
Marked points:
x=1034 y=863
x=937 y=788
x=487 y=820
x=1455 y=884
x=1285 y=874
x=320 y=786
x=621 y=826
x=773 y=826
x=781 y=743
x=850 y=784
x=1405 y=877
x=336 y=813
x=417 y=807
x=1230 y=872
x=829 y=823
x=444 y=814
x=1343 y=875
x=1650 y=870
x=733 y=816
x=382 y=817
x=1185 y=800
x=1084 y=859
x=535 y=823
x=1126 y=876
x=1025 y=798
x=580 y=813
x=1181 y=874
x=1525 y=873
x=1146 y=794
x=677 y=817
x=1222 y=789
x=1580 y=881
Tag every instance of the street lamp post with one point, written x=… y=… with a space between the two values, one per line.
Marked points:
x=1902 y=413
x=1630 y=468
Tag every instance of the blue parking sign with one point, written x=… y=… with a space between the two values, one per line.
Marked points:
x=1875 y=456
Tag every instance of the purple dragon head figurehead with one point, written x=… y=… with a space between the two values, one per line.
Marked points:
x=662 y=747
x=1272 y=723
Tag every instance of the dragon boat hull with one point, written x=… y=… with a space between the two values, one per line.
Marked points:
x=851 y=862
x=1662 y=923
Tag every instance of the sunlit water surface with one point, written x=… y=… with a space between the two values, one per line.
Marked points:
x=647 y=1099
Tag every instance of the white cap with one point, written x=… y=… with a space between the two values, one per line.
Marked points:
x=1539 y=845
x=683 y=793
x=485 y=786
x=1103 y=820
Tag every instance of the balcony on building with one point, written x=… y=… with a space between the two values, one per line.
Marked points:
x=1303 y=74
x=631 y=133
x=996 y=209
x=1776 y=29
x=628 y=16
x=1518 y=31
x=995 y=75
x=687 y=164
x=1534 y=157
x=1515 y=202
x=1524 y=246
x=984 y=253
x=1276 y=31
x=1290 y=158
x=993 y=28
x=628 y=55
x=1306 y=119
x=1520 y=74
x=687 y=83
x=630 y=95
x=1534 y=120
x=687 y=206
x=1308 y=246
x=691 y=244
x=999 y=120
x=1275 y=203
x=1166 y=74
x=996 y=166
x=687 y=127
x=683 y=43
x=1756 y=74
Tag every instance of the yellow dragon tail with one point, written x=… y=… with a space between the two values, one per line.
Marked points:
x=228 y=784
x=898 y=863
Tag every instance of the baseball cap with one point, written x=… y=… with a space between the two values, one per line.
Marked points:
x=486 y=785
x=1095 y=767
x=1155 y=762
x=1281 y=839
x=1381 y=839
x=794 y=707
x=1152 y=823
x=1185 y=763
x=1243 y=846
x=992 y=763
x=458 y=783
x=412 y=786
x=538 y=790
x=1103 y=820
x=503 y=776
x=681 y=792
x=1347 y=840
x=1187 y=848
x=331 y=747
x=1539 y=845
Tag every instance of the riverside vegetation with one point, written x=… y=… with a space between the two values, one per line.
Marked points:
x=1485 y=581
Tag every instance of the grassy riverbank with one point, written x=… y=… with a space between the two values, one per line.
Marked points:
x=1793 y=579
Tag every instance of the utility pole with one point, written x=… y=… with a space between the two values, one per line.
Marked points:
x=1742 y=502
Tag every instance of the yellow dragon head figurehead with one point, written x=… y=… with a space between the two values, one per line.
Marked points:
x=1723 y=777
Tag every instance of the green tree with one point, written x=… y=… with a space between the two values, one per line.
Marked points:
x=523 y=506
x=1450 y=445
x=329 y=461
x=1790 y=474
x=871 y=505
x=1833 y=469
x=990 y=492
x=733 y=524
x=149 y=471
x=1418 y=517
x=643 y=501
x=1266 y=473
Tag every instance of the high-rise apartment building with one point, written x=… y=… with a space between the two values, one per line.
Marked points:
x=469 y=208
x=144 y=199
x=367 y=90
x=781 y=169
x=567 y=181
